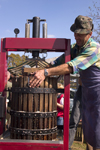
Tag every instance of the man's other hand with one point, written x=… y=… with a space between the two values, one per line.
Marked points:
x=37 y=79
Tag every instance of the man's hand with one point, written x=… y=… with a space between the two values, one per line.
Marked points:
x=37 y=79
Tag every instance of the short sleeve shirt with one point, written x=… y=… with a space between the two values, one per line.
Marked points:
x=88 y=55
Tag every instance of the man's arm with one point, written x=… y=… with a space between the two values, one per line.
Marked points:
x=90 y=56
x=39 y=76
x=60 y=70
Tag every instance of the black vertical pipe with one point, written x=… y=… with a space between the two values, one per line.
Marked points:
x=36 y=27
x=36 y=34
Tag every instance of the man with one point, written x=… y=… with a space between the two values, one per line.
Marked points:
x=87 y=63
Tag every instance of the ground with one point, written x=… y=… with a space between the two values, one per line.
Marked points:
x=78 y=146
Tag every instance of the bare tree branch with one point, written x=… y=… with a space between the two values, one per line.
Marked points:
x=94 y=13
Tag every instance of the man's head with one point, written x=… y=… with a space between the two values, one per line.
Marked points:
x=82 y=29
x=82 y=25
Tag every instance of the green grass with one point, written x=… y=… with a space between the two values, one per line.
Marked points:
x=78 y=146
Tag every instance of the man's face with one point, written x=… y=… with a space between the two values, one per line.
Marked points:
x=81 y=39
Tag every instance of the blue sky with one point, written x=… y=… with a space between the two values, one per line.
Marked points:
x=59 y=15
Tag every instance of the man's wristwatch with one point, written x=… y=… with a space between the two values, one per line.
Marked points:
x=45 y=72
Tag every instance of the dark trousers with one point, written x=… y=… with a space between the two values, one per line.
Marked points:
x=76 y=115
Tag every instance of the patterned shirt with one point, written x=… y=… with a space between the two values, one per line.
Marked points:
x=81 y=59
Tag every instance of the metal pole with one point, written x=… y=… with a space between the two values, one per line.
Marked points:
x=36 y=27
x=66 y=99
x=27 y=30
x=44 y=26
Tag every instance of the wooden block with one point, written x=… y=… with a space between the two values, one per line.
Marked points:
x=30 y=70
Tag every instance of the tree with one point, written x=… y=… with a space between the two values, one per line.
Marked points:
x=15 y=60
x=94 y=13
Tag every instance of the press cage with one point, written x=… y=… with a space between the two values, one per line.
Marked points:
x=33 y=110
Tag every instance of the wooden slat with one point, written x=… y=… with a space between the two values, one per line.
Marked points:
x=20 y=120
x=41 y=110
x=15 y=108
x=35 y=109
x=46 y=107
x=50 y=108
x=24 y=103
x=20 y=80
x=30 y=109
x=54 y=83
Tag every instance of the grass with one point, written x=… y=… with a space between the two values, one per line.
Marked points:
x=78 y=146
